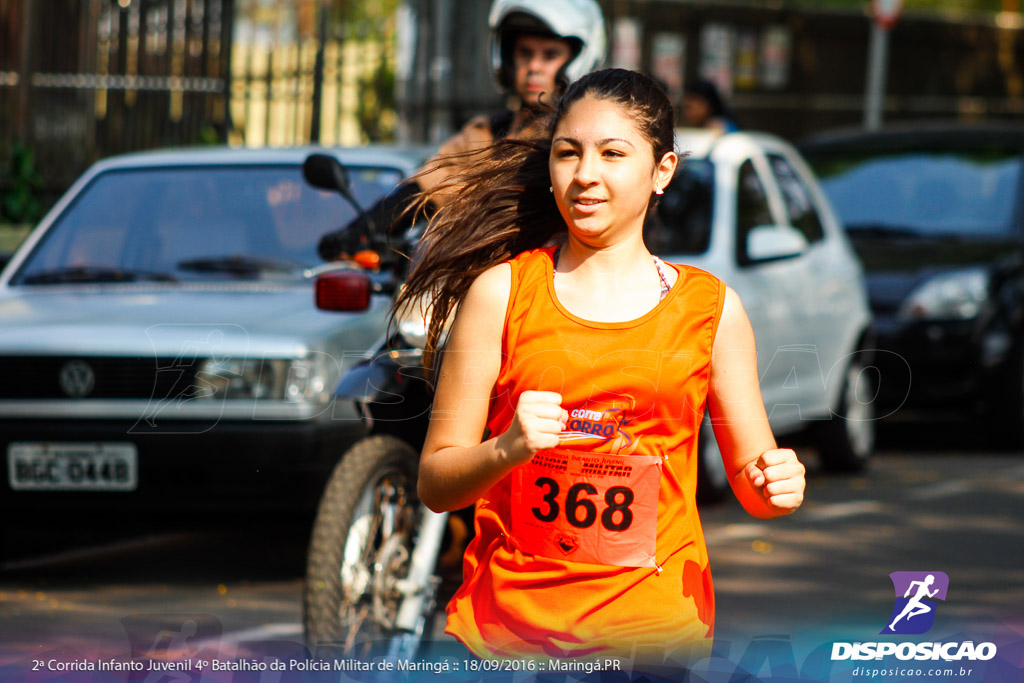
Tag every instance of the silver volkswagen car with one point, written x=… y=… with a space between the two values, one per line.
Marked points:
x=160 y=347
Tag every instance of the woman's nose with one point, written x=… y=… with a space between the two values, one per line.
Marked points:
x=586 y=169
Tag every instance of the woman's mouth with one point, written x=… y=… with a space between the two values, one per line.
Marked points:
x=586 y=204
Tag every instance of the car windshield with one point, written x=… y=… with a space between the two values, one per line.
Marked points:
x=196 y=223
x=938 y=193
x=682 y=222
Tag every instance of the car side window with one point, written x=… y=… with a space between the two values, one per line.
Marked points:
x=682 y=222
x=752 y=208
x=800 y=209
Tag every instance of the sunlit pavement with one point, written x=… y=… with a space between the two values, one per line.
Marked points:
x=825 y=568
x=247 y=582
x=960 y=514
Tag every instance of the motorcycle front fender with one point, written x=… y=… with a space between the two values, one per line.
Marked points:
x=393 y=392
x=384 y=379
x=372 y=381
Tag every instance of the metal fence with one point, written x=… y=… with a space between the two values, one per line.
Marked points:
x=300 y=74
x=80 y=79
x=84 y=79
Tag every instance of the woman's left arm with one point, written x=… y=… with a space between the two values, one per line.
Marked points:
x=767 y=480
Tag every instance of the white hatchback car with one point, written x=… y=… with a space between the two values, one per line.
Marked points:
x=746 y=207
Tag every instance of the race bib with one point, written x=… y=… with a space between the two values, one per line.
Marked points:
x=588 y=507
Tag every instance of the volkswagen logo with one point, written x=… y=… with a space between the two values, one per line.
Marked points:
x=77 y=378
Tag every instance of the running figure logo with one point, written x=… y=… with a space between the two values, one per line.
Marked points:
x=914 y=612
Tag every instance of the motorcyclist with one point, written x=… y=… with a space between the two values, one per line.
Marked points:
x=537 y=48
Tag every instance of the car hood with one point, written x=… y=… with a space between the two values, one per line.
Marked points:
x=114 y=320
x=895 y=267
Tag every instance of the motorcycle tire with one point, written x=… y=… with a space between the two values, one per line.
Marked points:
x=360 y=546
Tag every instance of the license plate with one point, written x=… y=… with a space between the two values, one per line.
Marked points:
x=91 y=466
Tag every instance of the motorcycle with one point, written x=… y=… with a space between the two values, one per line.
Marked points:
x=371 y=580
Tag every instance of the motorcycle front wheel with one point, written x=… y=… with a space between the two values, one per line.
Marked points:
x=360 y=549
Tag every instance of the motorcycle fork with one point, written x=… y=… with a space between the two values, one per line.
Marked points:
x=420 y=586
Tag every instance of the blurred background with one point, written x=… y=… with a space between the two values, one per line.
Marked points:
x=84 y=79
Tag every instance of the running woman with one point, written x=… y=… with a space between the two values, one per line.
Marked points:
x=572 y=387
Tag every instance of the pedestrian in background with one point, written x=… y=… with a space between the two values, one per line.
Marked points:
x=704 y=107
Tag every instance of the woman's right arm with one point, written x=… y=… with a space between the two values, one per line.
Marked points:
x=456 y=468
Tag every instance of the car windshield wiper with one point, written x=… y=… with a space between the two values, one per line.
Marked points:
x=88 y=274
x=237 y=265
x=880 y=230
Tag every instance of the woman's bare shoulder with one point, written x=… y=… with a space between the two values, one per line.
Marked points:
x=487 y=299
x=494 y=280
x=490 y=290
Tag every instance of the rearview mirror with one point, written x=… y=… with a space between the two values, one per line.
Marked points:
x=773 y=242
x=325 y=172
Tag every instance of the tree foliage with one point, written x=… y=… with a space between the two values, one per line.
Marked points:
x=371 y=20
x=364 y=18
x=20 y=202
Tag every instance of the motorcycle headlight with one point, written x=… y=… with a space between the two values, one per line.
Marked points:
x=414 y=322
x=414 y=331
x=957 y=295
x=273 y=379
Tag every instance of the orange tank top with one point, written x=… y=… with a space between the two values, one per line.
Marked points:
x=596 y=548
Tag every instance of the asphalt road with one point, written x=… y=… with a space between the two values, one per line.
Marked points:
x=930 y=502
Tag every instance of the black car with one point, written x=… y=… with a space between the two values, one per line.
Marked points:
x=935 y=214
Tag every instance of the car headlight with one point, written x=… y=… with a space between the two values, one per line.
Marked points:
x=292 y=381
x=306 y=380
x=956 y=295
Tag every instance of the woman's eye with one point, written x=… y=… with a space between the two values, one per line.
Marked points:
x=613 y=153
x=562 y=154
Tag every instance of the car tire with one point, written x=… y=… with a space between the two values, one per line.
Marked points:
x=712 y=479
x=846 y=440
x=1005 y=418
x=361 y=543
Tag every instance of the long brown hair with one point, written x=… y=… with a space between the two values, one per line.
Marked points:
x=498 y=203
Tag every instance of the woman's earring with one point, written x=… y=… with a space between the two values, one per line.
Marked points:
x=551 y=188
x=659 y=191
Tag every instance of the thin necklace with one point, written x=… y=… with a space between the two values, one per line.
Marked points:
x=658 y=263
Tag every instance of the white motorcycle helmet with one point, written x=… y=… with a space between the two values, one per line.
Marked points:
x=579 y=22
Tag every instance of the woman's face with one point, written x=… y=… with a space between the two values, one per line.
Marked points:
x=603 y=171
